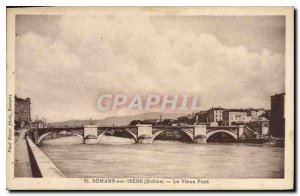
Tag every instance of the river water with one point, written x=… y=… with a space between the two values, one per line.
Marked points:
x=163 y=159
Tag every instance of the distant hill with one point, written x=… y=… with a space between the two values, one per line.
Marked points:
x=117 y=120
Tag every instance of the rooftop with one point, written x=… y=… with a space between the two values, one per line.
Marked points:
x=278 y=94
x=217 y=108
x=237 y=110
x=21 y=99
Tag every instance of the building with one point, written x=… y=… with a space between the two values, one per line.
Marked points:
x=256 y=114
x=236 y=116
x=243 y=116
x=39 y=124
x=215 y=115
x=261 y=121
x=22 y=113
x=277 y=120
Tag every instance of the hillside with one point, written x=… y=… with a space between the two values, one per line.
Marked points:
x=117 y=120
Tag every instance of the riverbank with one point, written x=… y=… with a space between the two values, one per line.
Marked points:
x=276 y=142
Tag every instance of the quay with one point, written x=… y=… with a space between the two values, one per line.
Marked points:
x=22 y=161
x=30 y=161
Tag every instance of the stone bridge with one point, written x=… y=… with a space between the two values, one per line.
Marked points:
x=37 y=135
x=90 y=134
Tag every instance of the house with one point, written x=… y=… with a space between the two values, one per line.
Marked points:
x=22 y=113
x=235 y=116
x=215 y=114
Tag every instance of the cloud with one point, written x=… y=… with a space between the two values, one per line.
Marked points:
x=94 y=55
x=45 y=71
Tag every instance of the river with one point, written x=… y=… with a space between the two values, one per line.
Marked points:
x=163 y=159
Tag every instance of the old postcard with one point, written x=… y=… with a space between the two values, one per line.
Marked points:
x=150 y=98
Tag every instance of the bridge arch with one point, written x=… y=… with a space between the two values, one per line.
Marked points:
x=41 y=138
x=235 y=136
x=108 y=131
x=189 y=135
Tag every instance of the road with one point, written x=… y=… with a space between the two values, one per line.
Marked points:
x=22 y=162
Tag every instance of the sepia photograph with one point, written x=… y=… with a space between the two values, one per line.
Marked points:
x=150 y=98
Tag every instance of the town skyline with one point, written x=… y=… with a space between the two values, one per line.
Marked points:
x=158 y=114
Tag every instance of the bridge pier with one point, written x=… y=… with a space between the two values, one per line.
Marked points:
x=199 y=135
x=241 y=131
x=90 y=133
x=144 y=134
x=35 y=137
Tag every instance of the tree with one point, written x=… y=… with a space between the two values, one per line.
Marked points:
x=134 y=122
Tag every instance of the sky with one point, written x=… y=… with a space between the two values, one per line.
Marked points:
x=63 y=63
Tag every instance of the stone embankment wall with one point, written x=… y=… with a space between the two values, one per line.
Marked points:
x=41 y=165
